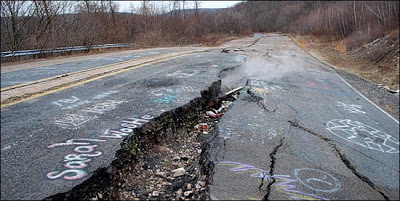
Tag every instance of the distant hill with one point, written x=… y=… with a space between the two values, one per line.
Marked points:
x=187 y=12
x=192 y=11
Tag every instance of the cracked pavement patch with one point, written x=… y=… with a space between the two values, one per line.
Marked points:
x=314 y=161
x=343 y=157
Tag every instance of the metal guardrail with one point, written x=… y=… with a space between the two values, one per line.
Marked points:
x=61 y=49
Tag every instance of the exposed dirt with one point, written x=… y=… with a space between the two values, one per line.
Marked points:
x=176 y=168
x=377 y=61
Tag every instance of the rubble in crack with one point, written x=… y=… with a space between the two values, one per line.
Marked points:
x=172 y=169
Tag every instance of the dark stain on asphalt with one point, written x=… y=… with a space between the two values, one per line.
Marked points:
x=160 y=82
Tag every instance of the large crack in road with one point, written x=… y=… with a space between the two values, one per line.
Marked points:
x=216 y=146
x=342 y=156
x=272 y=168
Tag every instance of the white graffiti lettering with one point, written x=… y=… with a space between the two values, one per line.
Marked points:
x=103 y=95
x=80 y=157
x=76 y=105
x=72 y=142
x=100 y=108
x=136 y=121
x=76 y=162
x=351 y=108
x=113 y=134
x=72 y=121
x=85 y=149
x=68 y=174
x=322 y=181
x=73 y=99
x=147 y=117
x=363 y=135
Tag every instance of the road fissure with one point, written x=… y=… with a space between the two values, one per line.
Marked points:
x=263 y=107
x=346 y=161
x=272 y=169
x=355 y=171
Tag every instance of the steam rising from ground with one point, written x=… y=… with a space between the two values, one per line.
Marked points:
x=266 y=68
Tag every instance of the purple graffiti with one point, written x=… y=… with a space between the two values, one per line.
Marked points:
x=244 y=167
x=286 y=185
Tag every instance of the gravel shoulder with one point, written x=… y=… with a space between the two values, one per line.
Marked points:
x=383 y=98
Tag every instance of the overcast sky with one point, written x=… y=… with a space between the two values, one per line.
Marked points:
x=124 y=5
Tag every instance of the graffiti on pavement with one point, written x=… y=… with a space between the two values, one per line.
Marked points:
x=363 y=135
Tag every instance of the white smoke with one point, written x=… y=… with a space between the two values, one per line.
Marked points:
x=265 y=68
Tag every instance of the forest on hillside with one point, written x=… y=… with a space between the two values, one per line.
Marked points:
x=44 y=24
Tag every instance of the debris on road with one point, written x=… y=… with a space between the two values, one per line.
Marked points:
x=178 y=172
x=225 y=51
x=239 y=49
x=233 y=91
x=226 y=104
x=219 y=110
x=211 y=114
x=203 y=126
x=388 y=88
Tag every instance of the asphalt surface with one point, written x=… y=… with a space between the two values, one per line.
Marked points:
x=19 y=77
x=38 y=160
x=298 y=131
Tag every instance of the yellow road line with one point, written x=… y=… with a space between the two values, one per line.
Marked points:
x=67 y=74
x=89 y=80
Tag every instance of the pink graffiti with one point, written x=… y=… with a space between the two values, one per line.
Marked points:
x=79 y=157
x=85 y=149
x=76 y=162
x=76 y=174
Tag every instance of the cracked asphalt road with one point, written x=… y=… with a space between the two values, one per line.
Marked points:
x=298 y=131
x=52 y=143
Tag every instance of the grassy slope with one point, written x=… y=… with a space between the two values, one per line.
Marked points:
x=377 y=62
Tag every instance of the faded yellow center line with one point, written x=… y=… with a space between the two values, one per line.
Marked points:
x=90 y=80
x=71 y=73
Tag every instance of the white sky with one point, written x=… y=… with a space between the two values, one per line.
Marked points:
x=124 y=5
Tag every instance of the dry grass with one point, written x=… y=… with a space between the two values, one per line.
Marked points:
x=384 y=72
x=301 y=41
x=216 y=39
x=341 y=47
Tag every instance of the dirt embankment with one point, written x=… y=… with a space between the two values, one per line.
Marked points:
x=377 y=61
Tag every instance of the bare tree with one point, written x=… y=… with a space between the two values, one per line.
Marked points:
x=14 y=17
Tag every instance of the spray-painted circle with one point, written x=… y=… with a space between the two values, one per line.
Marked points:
x=363 y=135
x=320 y=180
